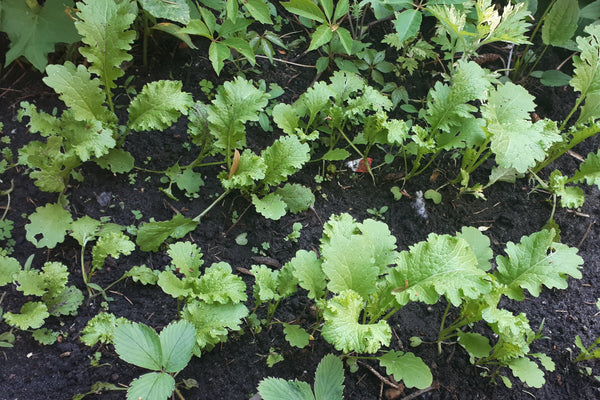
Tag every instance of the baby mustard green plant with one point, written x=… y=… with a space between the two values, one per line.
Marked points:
x=88 y=129
x=588 y=353
x=329 y=384
x=166 y=354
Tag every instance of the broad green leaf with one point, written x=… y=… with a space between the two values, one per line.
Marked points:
x=441 y=265
x=514 y=334
x=78 y=91
x=259 y=11
x=305 y=8
x=177 y=10
x=590 y=111
x=341 y=8
x=217 y=54
x=241 y=46
x=587 y=63
x=345 y=39
x=554 y=78
x=408 y=368
x=34 y=31
x=117 y=160
x=173 y=286
x=104 y=26
x=213 y=321
x=186 y=257
x=277 y=389
x=321 y=36
x=407 y=24
x=112 y=244
x=220 y=285
x=197 y=27
x=175 y=30
x=101 y=328
x=561 y=23
x=537 y=260
x=250 y=168
x=88 y=139
x=138 y=344
x=32 y=316
x=45 y=336
x=478 y=346
x=152 y=234
x=151 y=386
x=342 y=329
x=283 y=158
x=10 y=266
x=64 y=302
x=307 y=269
x=589 y=171
x=48 y=225
x=329 y=379
x=527 y=371
x=296 y=197
x=177 y=341
x=509 y=102
x=143 y=275
x=271 y=206
x=286 y=118
x=480 y=244
x=570 y=196
x=296 y=336
x=336 y=154
x=266 y=284
x=31 y=282
x=158 y=106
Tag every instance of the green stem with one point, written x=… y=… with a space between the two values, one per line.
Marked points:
x=214 y=203
x=7 y=193
x=145 y=42
x=83 y=274
x=441 y=335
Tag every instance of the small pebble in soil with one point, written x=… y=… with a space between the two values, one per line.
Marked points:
x=104 y=198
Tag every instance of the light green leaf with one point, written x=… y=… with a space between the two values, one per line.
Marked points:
x=407 y=24
x=101 y=328
x=32 y=316
x=343 y=330
x=537 y=260
x=329 y=379
x=336 y=154
x=259 y=11
x=296 y=197
x=286 y=118
x=408 y=368
x=271 y=206
x=217 y=54
x=34 y=31
x=560 y=23
x=587 y=63
x=296 y=336
x=480 y=244
x=306 y=268
x=173 y=286
x=10 y=266
x=283 y=158
x=433 y=195
x=152 y=234
x=266 y=284
x=177 y=341
x=151 y=386
x=138 y=344
x=158 y=106
x=213 y=321
x=48 y=225
x=305 y=8
x=442 y=265
x=117 y=160
x=321 y=36
x=527 y=371
x=186 y=257
x=478 y=346
x=218 y=284
x=251 y=167
x=589 y=171
x=105 y=29
x=177 y=10
x=113 y=244
x=143 y=275
x=570 y=196
x=590 y=111
x=45 y=336
x=85 y=229
x=345 y=39
x=78 y=91
x=277 y=389
x=30 y=282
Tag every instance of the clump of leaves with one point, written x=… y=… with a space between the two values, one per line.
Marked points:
x=329 y=384
x=88 y=129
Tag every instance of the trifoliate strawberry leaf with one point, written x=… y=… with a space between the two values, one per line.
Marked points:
x=177 y=341
x=296 y=197
x=537 y=260
x=105 y=27
x=307 y=269
x=32 y=316
x=48 y=225
x=271 y=206
x=440 y=266
x=138 y=344
x=408 y=368
x=78 y=91
x=283 y=158
x=33 y=30
x=219 y=285
x=152 y=234
x=343 y=330
x=158 y=106
x=151 y=386
x=112 y=244
x=186 y=258
x=296 y=336
x=213 y=321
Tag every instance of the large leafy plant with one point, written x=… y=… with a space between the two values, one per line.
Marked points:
x=88 y=129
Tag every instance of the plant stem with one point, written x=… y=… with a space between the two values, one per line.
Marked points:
x=214 y=203
x=7 y=193
x=440 y=338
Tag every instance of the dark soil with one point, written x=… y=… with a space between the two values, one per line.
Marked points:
x=233 y=370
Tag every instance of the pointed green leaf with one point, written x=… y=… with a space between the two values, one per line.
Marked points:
x=407 y=24
x=138 y=344
x=177 y=341
x=305 y=8
x=217 y=54
x=151 y=386
x=561 y=23
x=321 y=36
x=259 y=11
x=152 y=234
x=329 y=379
x=277 y=389
x=173 y=10
x=587 y=63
